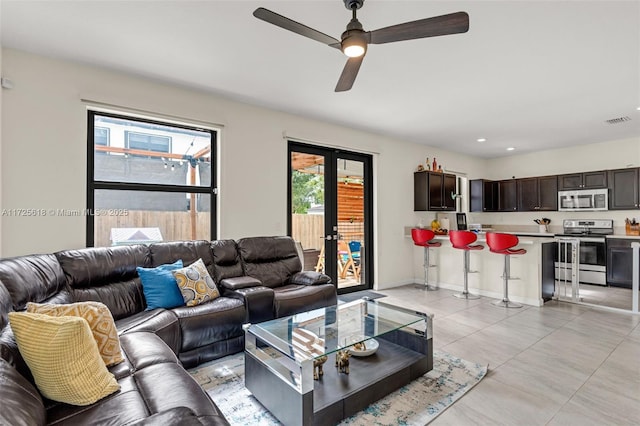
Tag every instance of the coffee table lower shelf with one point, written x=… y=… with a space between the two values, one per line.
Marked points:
x=337 y=396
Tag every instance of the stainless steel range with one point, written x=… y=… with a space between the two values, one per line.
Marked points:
x=592 y=264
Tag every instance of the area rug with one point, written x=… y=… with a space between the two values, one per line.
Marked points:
x=417 y=403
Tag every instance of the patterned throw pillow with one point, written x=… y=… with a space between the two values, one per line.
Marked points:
x=195 y=283
x=63 y=357
x=100 y=321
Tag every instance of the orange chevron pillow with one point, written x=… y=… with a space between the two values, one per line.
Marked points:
x=100 y=321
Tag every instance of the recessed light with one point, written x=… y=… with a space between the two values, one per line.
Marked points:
x=638 y=108
x=482 y=140
x=510 y=148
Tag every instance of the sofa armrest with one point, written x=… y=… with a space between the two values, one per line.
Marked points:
x=309 y=278
x=236 y=283
x=258 y=302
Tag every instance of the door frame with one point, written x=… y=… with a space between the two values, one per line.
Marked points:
x=331 y=206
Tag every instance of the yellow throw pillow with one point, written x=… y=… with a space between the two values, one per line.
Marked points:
x=100 y=321
x=195 y=283
x=63 y=357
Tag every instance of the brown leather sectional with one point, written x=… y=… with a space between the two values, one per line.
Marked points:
x=260 y=278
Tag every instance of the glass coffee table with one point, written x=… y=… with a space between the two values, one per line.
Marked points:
x=280 y=356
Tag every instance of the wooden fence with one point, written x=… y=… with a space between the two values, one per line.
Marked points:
x=309 y=230
x=173 y=225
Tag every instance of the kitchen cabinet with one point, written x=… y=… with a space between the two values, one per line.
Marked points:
x=587 y=180
x=507 y=195
x=623 y=189
x=483 y=195
x=538 y=193
x=620 y=262
x=432 y=191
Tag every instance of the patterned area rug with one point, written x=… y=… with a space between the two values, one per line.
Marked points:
x=417 y=403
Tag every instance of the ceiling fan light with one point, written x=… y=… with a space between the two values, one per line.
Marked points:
x=354 y=44
x=354 y=51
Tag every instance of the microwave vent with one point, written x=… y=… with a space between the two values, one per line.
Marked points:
x=618 y=120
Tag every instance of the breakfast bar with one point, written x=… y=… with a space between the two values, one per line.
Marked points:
x=534 y=270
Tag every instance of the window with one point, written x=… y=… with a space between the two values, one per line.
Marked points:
x=101 y=136
x=148 y=181
x=146 y=142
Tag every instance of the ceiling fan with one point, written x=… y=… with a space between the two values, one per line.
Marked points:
x=354 y=40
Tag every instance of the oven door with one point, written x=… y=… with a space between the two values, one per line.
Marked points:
x=592 y=261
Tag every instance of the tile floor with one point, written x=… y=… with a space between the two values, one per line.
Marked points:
x=561 y=364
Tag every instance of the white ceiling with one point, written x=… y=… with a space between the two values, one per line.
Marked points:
x=529 y=74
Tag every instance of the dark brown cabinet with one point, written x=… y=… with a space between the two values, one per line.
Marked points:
x=588 y=180
x=538 y=193
x=623 y=189
x=619 y=262
x=483 y=195
x=507 y=195
x=432 y=191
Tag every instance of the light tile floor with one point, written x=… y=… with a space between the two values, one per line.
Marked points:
x=561 y=364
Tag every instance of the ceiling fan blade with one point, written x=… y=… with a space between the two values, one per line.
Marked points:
x=452 y=23
x=349 y=74
x=296 y=27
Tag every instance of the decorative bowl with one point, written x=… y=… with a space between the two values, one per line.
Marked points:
x=371 y=348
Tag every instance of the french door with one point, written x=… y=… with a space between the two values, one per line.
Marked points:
x=330 y=205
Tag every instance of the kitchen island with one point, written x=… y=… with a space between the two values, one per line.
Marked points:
x=534 y=269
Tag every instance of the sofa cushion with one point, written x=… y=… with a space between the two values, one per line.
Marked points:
x=188 y=251
x=195 y=284
x=63 y=357
x=226 y=260
x=107 y=275
x=21 y=402
x=160 y=287
x=32 y=278
x=210 y=322
x=272 y=260
x=120 y=408
x=99 y=319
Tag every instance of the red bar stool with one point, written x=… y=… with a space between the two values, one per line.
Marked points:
x=463 y=240
x=503 y=244
x=423 y=238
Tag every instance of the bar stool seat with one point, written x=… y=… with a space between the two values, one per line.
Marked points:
x=463 y=240
x=503 y=244
x=424 y=238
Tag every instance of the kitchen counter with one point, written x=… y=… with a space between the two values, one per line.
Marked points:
x=488 y=282
x=624 y=236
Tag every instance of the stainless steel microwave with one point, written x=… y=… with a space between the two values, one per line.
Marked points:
x=583 y=200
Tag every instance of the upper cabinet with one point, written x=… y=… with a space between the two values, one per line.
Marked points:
x=507 y=195
x=483 y=195
x=623 y=189
x=433 y=191
x=588 y=180
x=538 y=193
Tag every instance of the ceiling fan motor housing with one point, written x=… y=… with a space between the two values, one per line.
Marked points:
x=353 y=4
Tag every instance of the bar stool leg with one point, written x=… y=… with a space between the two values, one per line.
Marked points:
x=426 y=286
x=465 y=291
x=505 y=302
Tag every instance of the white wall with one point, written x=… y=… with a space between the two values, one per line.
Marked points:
x=44 y=159
x=615 y=154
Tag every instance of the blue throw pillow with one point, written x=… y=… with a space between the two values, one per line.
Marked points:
x=160 y=287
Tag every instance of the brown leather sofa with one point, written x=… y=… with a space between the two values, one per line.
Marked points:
x=260 y=279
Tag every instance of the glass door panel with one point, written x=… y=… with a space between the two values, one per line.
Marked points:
x=308 y=225
x=351 y=222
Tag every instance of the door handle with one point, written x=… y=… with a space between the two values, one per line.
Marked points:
x=331 y=237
